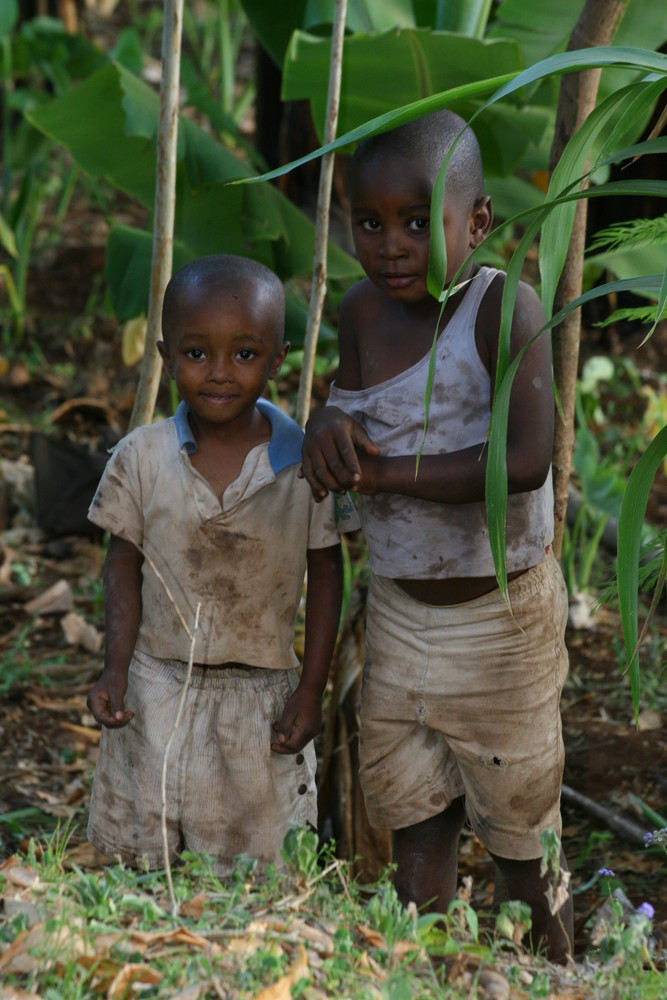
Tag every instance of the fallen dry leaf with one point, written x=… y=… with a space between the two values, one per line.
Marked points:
x=403 y=948
x=132 y=972
x=20 y=874
x=133 y=340
x=90 y=735
x=181 y=935
x=8 y=557
x=321 y=942
x=50 y=703
x=367 y=962
x=189 y=993
x=373 y=937
x=78 y=632
x=193 y=907
x=85 y=855
x=103 y=969
x=14 y=993
x=57 y=600
x=649 y=720
x=282 y=989
x=13 y=906
x=64 y=942
x=494 y=985
x=244 y=946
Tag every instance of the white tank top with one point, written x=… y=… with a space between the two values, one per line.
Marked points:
x=420 y=539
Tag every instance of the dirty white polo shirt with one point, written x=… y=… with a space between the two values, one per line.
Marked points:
x=243 y=559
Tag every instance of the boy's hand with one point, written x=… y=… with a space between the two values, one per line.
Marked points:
x=106 y=700
x=370 y=468
x=300 y=721
x=329 y=457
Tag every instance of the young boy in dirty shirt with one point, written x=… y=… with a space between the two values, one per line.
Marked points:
x=460 y=697
x=205 y=508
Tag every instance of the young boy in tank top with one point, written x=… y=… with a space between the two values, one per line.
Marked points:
x=460 y=700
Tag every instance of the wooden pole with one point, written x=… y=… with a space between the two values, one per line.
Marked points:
x=165 y=199
x=319 y=280
x=597 y=25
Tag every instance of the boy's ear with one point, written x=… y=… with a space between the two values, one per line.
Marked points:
x=481 y=220
x=279 y=358
x=164 y=354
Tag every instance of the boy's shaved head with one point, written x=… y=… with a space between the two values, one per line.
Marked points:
x=427 y=140
x=219 y=273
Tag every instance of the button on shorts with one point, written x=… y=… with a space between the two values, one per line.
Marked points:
x=227 y=793
x=464 y=700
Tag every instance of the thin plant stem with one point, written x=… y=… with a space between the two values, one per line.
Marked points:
x=7 y=86
x=319 y=280
x=192 y=635
x=169 y=594
x=186 y=684
x=165 y=201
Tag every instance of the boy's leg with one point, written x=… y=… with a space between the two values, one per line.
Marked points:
x=426 y=858
x=523 y=881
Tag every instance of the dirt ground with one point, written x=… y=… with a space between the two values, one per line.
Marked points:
x=70 y=382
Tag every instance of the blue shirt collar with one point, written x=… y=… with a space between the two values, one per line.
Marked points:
x=286 y=435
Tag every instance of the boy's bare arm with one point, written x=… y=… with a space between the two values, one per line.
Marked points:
x=459 y=477
x=333 y=439
x=302 y=715
x=122 y=603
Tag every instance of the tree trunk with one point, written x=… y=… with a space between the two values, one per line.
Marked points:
x=596 y=26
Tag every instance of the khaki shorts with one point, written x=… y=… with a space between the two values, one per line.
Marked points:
x=459 y=701
x=227 y=793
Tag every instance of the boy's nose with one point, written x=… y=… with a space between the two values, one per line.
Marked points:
x=393 y=244
x=220 y=369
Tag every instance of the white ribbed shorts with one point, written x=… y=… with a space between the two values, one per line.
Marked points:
x=227 y=793
x=459 y=701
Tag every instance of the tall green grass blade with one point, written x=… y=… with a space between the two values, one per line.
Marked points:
x=630 y=524
x=660 y=309
x=496 y=471
x=649 y=283
x=555 y=239
x=437 y=259
x=499 y=87
x=387 y=121
x=7 y=239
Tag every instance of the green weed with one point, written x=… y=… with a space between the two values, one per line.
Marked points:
x=307 y=926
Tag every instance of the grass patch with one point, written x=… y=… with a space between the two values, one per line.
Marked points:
x=303 y=931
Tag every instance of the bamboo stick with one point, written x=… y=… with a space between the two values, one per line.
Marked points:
x=319 y=280
x=165 y=199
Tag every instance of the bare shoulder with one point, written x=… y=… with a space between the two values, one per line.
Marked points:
x=527 y=319
x=528 y=302
x=357 y=302
x=356 y=312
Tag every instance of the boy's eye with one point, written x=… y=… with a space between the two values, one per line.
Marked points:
x=370 y=224
x=195 y=353
x=420 y=223
x=246 y=354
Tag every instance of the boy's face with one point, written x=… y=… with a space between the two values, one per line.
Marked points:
x=391 y=207
x=221 y=348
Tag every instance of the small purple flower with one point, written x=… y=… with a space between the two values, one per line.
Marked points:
x=606 y=873
x=646 y=910
x=648 y=839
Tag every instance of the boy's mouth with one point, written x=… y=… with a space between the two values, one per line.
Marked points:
x=218 y=397
x=398 y=280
